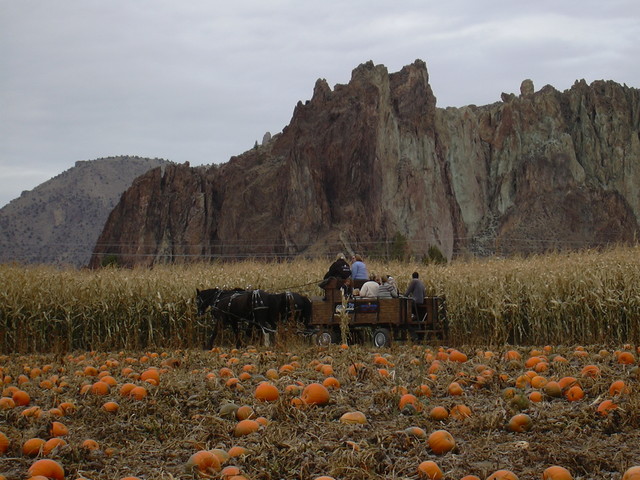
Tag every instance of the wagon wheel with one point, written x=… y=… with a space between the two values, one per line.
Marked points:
x=381 y=337
x=326 y=337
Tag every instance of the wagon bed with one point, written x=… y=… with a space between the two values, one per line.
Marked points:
x=384 y=319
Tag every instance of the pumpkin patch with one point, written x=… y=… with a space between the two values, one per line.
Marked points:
x=342 y=422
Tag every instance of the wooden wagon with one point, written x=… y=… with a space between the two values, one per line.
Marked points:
x=382 y=320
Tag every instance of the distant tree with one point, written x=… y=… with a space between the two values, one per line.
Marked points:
x=110 y=260
x=399 y=249
x=434 y=255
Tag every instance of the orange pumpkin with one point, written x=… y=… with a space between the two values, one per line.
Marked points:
x=331 y=382
x=455 y=389
x=409 y=399
x=535 y=397
x=47 y=468
x=457 y=356
x=618 y=388
x=605 y=407
x=238 y=451
x=574 y=393
x=21 y=398
x=100 y=388
x=90 y=444
x=326 y=370
x=423 y=391
x=262 y=421
x=111 y=407
x=109 y=380
x=51 y=444
x=415 y=432
x=511 y=355
x=590 y=371
x=567 y=382
x=267 y=392
x=245 y=427
x=460 y=412
x=430 y=470
x=441 y=442
x=556 y=472
x=32 y=447
x=520 y=423
x=151 y=375
x=4 y=443
x=7 y=403
x=632 y=473
x=125 y=389
x=502 y=475
x=538 y=381
x=230 y=471
x=626 y=358
x=438 y=413
x=315 y=394
x=244 y=412
x=138 y=393
x=353 y=418
x=204 y=462
x=58 y=429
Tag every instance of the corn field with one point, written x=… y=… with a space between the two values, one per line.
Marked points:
x=571 y=298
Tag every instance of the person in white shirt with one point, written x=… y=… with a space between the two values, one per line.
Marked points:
x=370 y=288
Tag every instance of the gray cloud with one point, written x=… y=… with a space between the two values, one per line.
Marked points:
x=201 y=81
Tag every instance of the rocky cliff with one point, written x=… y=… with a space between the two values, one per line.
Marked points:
x=375 y=160
x=59 y=221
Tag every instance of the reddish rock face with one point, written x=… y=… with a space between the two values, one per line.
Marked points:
x=375 y=158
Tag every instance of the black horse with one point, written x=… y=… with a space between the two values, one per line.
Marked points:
x=297 y=307
x=255 y=310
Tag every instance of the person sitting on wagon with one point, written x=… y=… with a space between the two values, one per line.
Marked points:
x=358 y=271
x=370 y=288
x=387 y=290
x=339 y=269
x=416 y=291
x=347 y=289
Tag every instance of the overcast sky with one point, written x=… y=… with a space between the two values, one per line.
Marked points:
x=202 y=80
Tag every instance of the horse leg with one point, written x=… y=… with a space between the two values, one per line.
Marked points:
x=236 y=332
x=214 y=331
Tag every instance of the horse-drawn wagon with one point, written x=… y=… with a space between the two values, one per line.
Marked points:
x=381 y=319
x=324 y=318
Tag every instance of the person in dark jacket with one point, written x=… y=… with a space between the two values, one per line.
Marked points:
x=339 y=269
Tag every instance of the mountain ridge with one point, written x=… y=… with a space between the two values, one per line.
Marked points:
x=59 y=221
x=375 y=160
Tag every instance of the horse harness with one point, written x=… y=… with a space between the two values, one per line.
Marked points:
x=257 y=303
